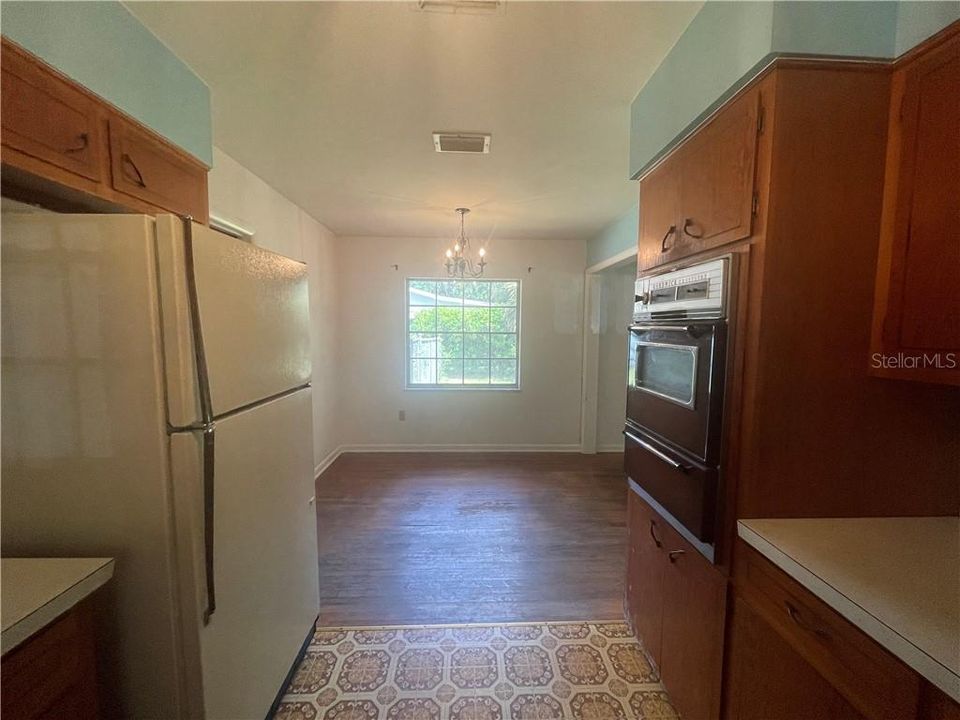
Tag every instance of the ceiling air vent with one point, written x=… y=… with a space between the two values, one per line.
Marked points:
x=448 y=142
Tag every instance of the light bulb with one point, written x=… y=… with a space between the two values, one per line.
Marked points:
x=457 y=247
x=482 y=252
x=449 y=253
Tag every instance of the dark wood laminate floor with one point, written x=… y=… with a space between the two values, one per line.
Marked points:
x=416 y=538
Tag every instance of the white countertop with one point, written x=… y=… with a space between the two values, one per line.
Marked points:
x=897 y=579
x=35 y=591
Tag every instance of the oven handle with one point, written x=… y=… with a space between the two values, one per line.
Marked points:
x=668 y=328
x=656 y=453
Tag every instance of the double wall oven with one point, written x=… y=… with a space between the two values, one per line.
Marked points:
x=677 y=366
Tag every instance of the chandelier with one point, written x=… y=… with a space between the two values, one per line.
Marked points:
x=459 y=263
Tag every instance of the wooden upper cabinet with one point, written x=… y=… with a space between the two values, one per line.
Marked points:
x=659 y=212
x=716 y=178
x=702 y=195
x=916 y=324
x=66 y=148
x=144 y=167
x=47 y=119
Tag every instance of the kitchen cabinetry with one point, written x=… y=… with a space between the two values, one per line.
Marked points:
x=766 y=679
x=53 y=674
x=65 y=147
x=916 y=324
x=702 y=196
x=141 y=166
x=677 y=602
x=872 y=680
x=645 y=573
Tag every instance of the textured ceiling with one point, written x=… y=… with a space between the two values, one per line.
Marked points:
x=334 y=103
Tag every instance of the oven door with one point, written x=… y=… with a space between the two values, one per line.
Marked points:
x=686 y=488
x=675 y=383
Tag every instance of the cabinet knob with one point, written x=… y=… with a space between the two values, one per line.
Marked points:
x=653 y=534
x=82 y=141
x=663 y=243
x=686 y=229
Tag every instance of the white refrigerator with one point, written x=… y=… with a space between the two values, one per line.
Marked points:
x=156 y=409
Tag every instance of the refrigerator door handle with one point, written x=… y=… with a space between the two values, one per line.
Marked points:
x=209 y=465
x=206 y=416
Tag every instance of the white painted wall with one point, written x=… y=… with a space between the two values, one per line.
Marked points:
x=543 y=413
x=241 y=197
x=615 y=313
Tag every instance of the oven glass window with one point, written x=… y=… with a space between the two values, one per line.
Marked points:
x=667 y=370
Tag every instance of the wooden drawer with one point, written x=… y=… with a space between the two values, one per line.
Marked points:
x=146 y=168
x=48 y=119
x=52 y=674
x=875 y=682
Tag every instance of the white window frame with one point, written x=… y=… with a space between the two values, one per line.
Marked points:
x=461 y=386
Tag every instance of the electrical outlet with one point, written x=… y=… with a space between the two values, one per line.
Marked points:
x=402 y=415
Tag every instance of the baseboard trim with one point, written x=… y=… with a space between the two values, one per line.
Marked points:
x=615 y=447
x=443 y=447
x=327 y=461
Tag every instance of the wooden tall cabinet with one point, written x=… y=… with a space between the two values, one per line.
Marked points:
x=916 y=328
x=792 y=177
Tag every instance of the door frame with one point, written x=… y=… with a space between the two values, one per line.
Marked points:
x=590 y=376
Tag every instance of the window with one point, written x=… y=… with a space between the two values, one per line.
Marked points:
x=463 y=333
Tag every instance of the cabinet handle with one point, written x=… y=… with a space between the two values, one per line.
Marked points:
x=663 y=243
x=83 y=140
x=802 y=623
x=686 y=229
x=654 y=535
x=128 y=162
x=674 y=554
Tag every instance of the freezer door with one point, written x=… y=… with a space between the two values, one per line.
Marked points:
x=84 y=447
x=254 y=316
x=264 y=551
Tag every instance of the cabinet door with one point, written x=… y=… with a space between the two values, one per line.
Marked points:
x=146 y=168
x=645 y=574
x=659 y=209
x=767 y=680
x=917 y=308
x=694 y=606
x=47 y=119
x=716 y=178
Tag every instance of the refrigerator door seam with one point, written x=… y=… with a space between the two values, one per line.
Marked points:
x=206 y=415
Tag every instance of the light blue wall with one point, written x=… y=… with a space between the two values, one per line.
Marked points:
x=916 y=21
x=104 y=48
x=727 y=42
x=616 y=237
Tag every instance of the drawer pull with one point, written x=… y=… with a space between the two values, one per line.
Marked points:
x=128 y=162
x=663 y=243
x=83 y=140
x=674 y=554
x=686 y=229
x=654 y=535
x=801 y=622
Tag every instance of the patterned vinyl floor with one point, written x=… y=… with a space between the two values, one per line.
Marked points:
x=579 y=670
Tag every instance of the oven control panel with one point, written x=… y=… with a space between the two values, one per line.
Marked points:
x=698 y=291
